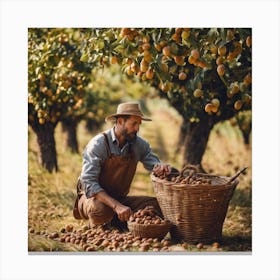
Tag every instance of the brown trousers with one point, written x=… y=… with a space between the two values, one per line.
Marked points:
x=98 y=213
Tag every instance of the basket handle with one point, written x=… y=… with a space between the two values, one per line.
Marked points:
x=188 y=166
x=237 y=174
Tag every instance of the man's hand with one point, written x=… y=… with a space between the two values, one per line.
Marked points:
x=162 y=169
x=123 y=212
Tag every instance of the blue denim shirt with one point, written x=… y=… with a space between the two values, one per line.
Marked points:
x=95 y=154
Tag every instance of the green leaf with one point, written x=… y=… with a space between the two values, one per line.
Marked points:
x=84 y=57
x=37 y=70
x=186 y=42
x=119 y=48
x=164 y=76
x=212 y=34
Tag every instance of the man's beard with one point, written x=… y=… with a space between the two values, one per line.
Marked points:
x=129 y=137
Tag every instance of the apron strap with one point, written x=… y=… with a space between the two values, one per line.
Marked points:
x=107 y=144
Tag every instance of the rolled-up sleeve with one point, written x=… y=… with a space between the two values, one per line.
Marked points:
x=93 y=156
x=148 y=158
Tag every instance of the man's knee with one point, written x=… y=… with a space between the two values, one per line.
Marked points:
x=99 y=213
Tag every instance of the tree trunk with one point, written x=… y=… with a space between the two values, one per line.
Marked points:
x=69 y=126
x=181 y=138
x=46 y=142
x=91 y=125
x=246 y=136
x=196 y=139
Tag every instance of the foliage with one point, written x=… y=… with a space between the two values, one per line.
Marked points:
x=203 y=72
x=61 y=86
x=56 y=76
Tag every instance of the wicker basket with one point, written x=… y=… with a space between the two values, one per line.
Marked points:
x=150 y=230
x=197 y=212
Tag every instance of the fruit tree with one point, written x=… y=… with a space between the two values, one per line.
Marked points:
x=63 y=88
x=204 y=73
x=56 y=84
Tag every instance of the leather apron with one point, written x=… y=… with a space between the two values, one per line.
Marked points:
x=117 y=173
x=115 y=178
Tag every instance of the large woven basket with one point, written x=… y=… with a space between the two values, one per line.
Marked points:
x=197 y=212
x=150 y=230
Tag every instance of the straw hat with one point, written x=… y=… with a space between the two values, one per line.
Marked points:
x=128 y=108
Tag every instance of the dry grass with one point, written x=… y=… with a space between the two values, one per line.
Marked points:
x=51 y=196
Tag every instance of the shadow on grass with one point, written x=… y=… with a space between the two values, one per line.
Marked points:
x=237 y=243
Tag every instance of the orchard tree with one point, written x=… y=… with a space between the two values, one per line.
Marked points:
x=56 y=84
x=63 y=88
x=103 y=91
x=204 y=73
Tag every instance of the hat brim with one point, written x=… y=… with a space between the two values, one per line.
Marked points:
x=112 y=117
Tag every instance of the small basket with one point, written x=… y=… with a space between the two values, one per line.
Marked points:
x=149 y=230
x=197 y=212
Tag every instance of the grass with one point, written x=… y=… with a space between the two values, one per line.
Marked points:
x=51 y=196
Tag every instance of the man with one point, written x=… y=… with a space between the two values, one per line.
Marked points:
x=109 y=165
